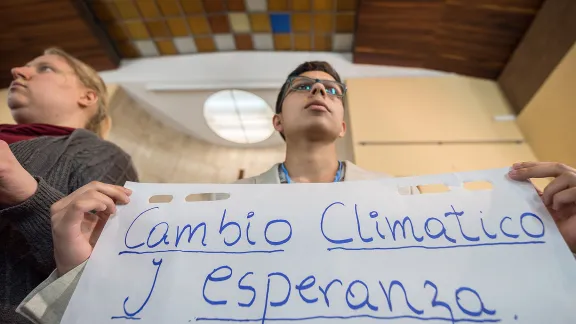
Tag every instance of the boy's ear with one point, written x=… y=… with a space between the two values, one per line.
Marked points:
x=277 y=122
x=343 y=131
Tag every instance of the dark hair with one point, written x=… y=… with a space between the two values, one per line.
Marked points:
x=303 y=68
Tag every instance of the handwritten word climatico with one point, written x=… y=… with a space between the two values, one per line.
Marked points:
x=435 y=229
x=372 y=232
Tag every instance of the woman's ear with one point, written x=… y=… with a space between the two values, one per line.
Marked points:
x=88 y=99
x=277 y=122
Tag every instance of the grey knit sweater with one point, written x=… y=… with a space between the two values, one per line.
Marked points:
x=60 y=165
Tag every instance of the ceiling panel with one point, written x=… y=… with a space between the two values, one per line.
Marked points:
x=470 y=37
x=27 y=27
x=147 y=27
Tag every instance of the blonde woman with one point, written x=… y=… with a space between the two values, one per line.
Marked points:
x=56 y=147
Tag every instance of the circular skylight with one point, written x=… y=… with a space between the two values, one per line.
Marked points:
x=239 y=116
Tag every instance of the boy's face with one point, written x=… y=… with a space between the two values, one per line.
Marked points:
x=314 y=108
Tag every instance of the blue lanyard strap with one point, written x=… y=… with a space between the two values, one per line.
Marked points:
x=337 y=178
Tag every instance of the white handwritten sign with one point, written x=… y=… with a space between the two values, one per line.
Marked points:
x=355 y=252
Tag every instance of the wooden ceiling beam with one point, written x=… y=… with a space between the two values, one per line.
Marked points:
x=27 y=27
x=472 y=37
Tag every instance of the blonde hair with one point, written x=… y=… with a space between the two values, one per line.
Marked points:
x=100 y=123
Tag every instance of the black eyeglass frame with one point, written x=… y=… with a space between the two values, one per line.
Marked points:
x=291 y=79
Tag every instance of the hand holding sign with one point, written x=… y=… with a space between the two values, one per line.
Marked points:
x=78 y=220
x=559 y=196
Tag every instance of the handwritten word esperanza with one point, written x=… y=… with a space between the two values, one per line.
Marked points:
x=163 y=236
x=373 y=299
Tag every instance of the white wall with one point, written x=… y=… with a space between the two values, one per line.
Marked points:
x=162 y=154
x=193 y=77
x=184 y=111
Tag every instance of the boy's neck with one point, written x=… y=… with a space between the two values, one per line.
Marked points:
x=311 y=162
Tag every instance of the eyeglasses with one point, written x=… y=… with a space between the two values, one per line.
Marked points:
x=302 y=83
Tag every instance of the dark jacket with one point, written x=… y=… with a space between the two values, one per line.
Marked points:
x=60 y=165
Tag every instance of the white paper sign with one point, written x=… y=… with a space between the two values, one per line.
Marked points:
x=356 y=252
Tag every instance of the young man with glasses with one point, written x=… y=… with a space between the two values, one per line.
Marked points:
x=310 y=118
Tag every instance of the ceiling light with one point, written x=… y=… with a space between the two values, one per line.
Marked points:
x=239 y=116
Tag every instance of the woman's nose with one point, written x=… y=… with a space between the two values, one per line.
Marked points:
x=21 y=72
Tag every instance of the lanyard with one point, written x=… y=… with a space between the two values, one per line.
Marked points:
x=337 y=178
